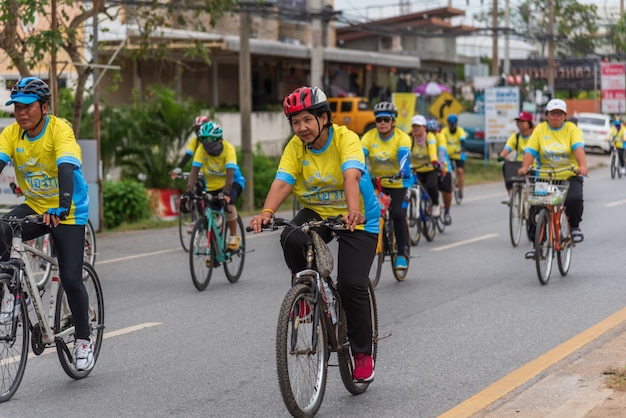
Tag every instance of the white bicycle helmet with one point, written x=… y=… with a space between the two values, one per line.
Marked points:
x=386 y=109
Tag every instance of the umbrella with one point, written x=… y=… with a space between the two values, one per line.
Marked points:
x=432 y=88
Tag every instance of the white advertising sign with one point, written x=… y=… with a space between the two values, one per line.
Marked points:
x=613 y=87
x=7 y=197
x=501 y=109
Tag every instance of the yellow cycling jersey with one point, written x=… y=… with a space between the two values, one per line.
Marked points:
x=386 y=155
x=36 y=162
x=554 y=148
x=214 y=167
x=517 y=143
x=453 y=141
x=617 y=137
x=317 y=175
x=422 y=156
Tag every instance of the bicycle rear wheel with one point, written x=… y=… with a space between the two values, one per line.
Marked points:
x=564 y=255
x=515 y=218
x=379 y=258
x=201 y=254
x=544 y=247
x=301 y=367
x=235 y=258
x=415 y=232
x=186 y=222
x=613 y=164
x=429 y=224
x=63 y=320
x=40 y=267
x=14 y=337
x=345 y=357
x=90 y=244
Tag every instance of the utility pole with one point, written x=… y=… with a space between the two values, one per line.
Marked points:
x=245 y=104
x=495 y=67
x=507 y=50
x=96 y=113
x=54 y=86
x=551 y=47
x=317 y=48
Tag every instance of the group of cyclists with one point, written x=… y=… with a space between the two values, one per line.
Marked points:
x=332 y=171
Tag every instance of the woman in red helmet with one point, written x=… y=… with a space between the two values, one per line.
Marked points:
x=324 y=165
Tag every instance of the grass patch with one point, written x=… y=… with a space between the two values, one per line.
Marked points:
x=616 y=378
x=477 y=172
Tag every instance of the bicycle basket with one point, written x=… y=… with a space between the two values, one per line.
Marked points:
x=544 y=192
x=323 y=256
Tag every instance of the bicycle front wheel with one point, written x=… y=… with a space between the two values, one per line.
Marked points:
x=14 y=339
x=515 y=216
x=429 y=224
x=235 y=258
x=564 y=255
x=398 y=273
x=90 y=244
x=63 y=320
x=544 y=247
x=345 y=356
x=613 y=165
x=377 y=263
x=414 y=219
x=186 y=222
x=301 y=363
x=202 y=254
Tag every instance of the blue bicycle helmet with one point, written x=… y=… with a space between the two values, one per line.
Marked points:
x=30 y=90
x=432 y=125
x=453 y=118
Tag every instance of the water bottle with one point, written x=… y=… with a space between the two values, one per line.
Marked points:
x=330 y=300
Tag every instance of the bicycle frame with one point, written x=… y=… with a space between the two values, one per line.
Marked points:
x=219 y=231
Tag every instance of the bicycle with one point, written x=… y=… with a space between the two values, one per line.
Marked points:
x=553 y=231
x=420 y=217
x=187 y=218
x=312 y=324
x=519 y=208
x=296 y=206
x=208 y=246
x=387 y=245
x=42 y=268
x=49 y=323
x=614 y=164
x=455 y=185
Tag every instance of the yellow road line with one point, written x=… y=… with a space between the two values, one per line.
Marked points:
x=522 y=375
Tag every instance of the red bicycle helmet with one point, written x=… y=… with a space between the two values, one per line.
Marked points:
x=305 y=98
x=200 y=120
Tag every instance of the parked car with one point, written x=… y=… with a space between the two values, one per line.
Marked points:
x=354 y=112
x=474 y=126
x=596 y=128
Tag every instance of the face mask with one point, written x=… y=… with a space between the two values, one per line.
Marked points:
x=214 y=148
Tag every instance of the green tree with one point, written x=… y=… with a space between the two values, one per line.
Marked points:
x=27 y=45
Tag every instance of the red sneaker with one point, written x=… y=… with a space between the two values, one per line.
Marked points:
x=363 y=367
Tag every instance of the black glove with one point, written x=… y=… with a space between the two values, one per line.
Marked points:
x=184 y=202
x=500 y=158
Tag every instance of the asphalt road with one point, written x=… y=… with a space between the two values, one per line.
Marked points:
x=471 y=311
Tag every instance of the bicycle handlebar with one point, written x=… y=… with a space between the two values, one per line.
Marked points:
x=551 y=171
x=28 y=219
x=333 y=222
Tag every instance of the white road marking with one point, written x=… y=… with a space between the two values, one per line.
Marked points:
x=483 y=197
x=619 y=202
x=467 y=241
x=131 y=257
x=105 y=336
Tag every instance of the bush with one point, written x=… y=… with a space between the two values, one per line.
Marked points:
x=124 y=201
x=264 y=173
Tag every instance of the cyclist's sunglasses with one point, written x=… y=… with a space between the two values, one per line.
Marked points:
x=209 y=139
x=381 y=119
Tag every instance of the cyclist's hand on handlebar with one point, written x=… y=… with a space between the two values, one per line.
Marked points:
x=54 y=216
x=403 y=174
x=176 y=172
x=500 y=159
x=523 y=171
x=353 y=218
x=184 y=201
x=257 y=221
x=581 y=171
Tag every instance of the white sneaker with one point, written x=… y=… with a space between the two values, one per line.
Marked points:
x=233 y=242
x=622 y=170
x=83 y=354
x=436 y=211
x=6 y=309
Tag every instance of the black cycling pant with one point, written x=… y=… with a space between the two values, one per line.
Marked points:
x=620 y=156
x=354 y=259
x=430 y=180
x=397 y=212
x=69 y=245
x=445 y=183
x=573 y=207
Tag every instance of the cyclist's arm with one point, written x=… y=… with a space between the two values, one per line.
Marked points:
x=526 y=163
x=351 y=179
x=193 y=178
x=2 y=165
x=230 y=177
x=581 y=159
x=279 y=191
x=184 y=160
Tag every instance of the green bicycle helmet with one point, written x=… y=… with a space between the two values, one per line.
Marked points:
x=211 y=131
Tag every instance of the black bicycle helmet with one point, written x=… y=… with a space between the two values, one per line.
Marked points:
x=30 y=90
x=386 y=109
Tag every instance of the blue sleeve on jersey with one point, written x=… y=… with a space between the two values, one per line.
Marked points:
x=578 y=145
x=69 y=160
x=370 y=202
x=532 y=152
x=509 y=149
x=286 y=178
x=366 y=152
x=4 y=157
x=195 y=164
x=353 y=164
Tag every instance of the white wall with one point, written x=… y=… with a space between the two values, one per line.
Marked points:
x=269 y=129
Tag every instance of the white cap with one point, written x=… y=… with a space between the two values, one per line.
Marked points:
x=556 y=104
x=418 y=120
